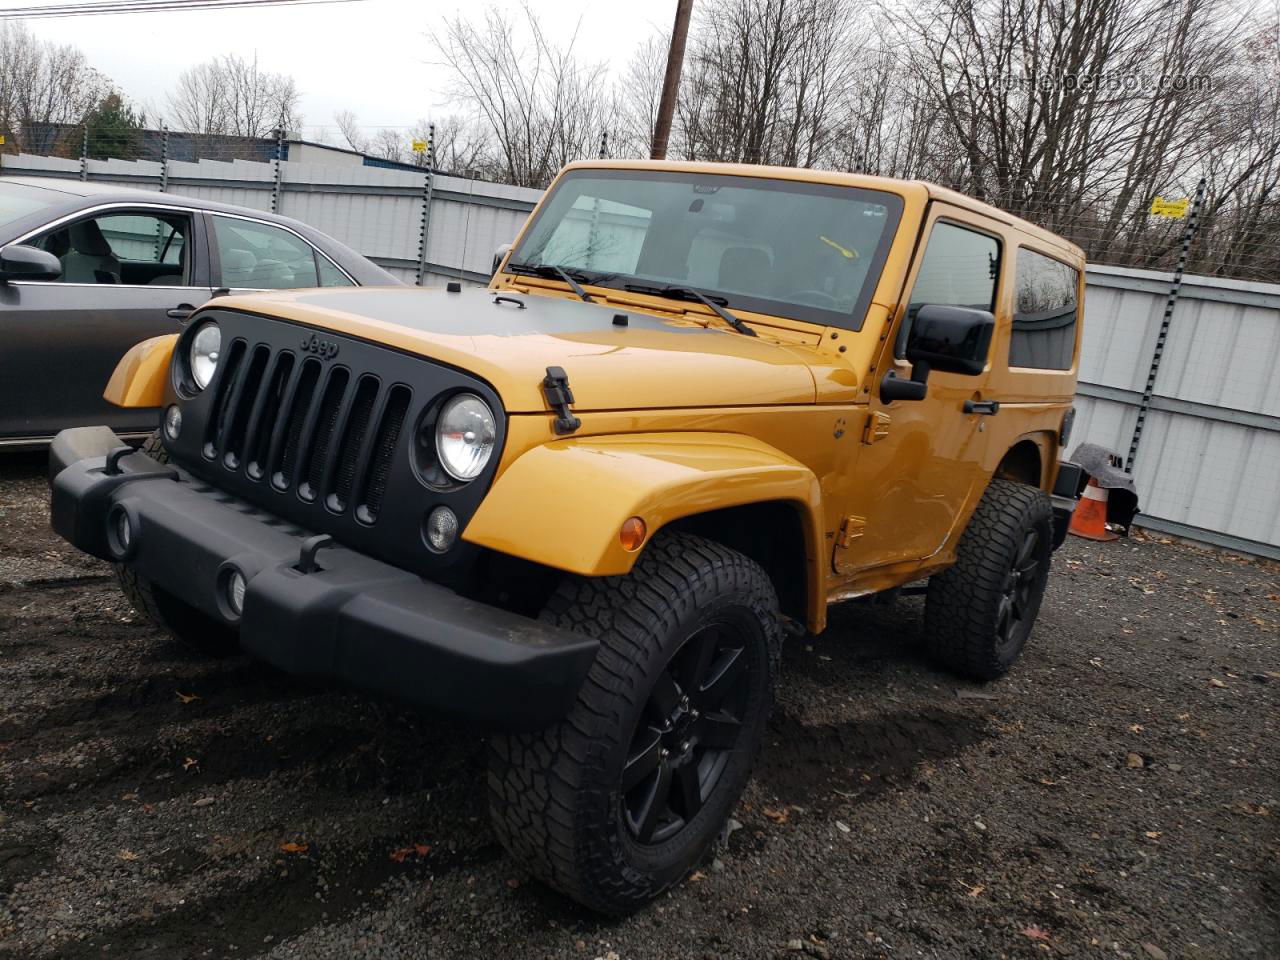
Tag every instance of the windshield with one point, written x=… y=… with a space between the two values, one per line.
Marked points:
x=17 y=200
x=802 y=250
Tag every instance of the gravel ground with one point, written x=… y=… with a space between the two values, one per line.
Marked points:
x=1116 y=796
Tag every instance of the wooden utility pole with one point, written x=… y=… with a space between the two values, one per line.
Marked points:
x=671 y=82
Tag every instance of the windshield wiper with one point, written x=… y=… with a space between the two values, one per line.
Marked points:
x=554 y=272
x=688 y=293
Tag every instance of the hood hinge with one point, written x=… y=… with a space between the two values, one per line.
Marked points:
x=555 y=387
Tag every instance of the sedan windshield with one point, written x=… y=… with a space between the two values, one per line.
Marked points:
x=17 y=200
x=802 y=250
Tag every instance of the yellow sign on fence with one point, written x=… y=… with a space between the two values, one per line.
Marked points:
x=419 y=146
x=1 y=139
x=1177 y=209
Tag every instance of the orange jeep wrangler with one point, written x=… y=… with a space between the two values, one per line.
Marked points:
x=695 y=405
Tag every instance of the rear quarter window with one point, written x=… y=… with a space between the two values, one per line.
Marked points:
x=1045 y=313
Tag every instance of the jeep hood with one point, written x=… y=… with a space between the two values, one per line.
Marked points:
x=651 y=362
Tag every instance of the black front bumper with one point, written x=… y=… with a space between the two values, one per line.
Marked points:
x=352 y=618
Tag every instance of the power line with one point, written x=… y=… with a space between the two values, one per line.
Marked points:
x=97 y=8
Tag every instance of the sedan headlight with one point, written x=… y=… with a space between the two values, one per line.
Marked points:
x=465 y=436
x=202 y=355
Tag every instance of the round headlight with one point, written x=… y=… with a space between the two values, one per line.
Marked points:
x=202 y=356
x=465 y=436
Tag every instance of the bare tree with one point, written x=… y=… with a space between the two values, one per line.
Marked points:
x=543 y=106
x=233 y=96
x=767 y=80
x=349 y=128
x=461 y=147
x=389 y=145
x=201 y=100
x=638 y=94
x=43 y=84
x=1074 y=114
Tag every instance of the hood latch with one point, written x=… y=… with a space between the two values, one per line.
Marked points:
x=555 y=387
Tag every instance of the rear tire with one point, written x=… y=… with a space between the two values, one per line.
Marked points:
x=184 y=623
x=620 y=800
x=980 y=611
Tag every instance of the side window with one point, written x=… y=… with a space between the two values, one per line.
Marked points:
x=259 y=256
x=137 y=249
x=959 y=269
x=331 y=276
x=1044 y=317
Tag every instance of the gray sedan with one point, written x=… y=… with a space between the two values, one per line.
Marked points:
x=87 y=270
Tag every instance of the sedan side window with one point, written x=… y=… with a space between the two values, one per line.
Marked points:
x=132 y=249
x=259 y=256
x=331 y=276
x=959 y=269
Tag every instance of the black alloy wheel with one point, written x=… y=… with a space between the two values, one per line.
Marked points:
x=1021 y=600
x=692 y=722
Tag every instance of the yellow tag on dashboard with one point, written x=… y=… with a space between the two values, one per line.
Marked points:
x=843 y=251
x=1177 y=209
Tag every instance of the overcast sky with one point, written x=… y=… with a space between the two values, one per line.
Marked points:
x=373 y=57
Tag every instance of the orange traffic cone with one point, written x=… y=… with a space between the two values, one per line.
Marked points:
x=1090 y=517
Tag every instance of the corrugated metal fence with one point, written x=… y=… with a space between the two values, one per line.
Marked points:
x=1208 y=467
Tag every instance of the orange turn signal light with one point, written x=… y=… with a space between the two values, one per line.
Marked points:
x=632 y=534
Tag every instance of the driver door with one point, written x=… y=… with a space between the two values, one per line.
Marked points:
x=920 y=460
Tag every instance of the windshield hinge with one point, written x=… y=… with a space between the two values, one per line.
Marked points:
x=877 y=428
x=555 y=387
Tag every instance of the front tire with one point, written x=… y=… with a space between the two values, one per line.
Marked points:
x=181 y=621
x=979 y=612
x=622 y=798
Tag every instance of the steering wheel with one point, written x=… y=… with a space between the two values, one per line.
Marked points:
x=814 y=298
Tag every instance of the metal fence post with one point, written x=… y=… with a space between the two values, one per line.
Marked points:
x=164 y=181
x=1145 y=405
x=427 y=185
x=164 y=157
x=84 y=154
x=278 y=186
x=604 y=145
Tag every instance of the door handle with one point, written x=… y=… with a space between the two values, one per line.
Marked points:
x=988 y=408
x=181 y=312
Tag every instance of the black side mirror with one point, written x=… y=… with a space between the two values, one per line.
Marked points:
x=950 y=339
x=18 y=261
x=498 y=256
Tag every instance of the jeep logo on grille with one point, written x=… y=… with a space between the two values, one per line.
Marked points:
x=324 y=349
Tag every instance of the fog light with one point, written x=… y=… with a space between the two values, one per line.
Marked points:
x=124 y=532
x=235 y=592
x=172 y=422
x=442 y=529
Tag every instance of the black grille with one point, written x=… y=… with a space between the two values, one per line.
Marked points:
x=312 y=427
x=319 y=430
